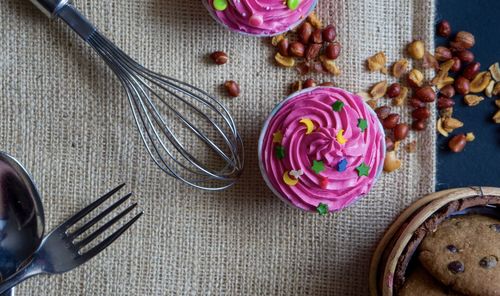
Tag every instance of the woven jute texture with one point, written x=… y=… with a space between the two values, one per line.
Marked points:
x=65 y=116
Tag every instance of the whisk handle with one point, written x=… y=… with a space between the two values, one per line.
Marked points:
x=69 y=14
x=50 y=7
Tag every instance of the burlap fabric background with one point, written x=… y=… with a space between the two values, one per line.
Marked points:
x=65 y=116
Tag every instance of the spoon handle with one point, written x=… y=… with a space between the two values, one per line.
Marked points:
x=18 y=277
x=9 y=292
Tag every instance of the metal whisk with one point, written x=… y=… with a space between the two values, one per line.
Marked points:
x=164 y=109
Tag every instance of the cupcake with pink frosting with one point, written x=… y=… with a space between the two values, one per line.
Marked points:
x=321 y=149
x=260 y=18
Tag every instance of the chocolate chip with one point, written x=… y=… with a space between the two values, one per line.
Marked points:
x=456 y=267
x=495 y=227
x=488 y=262
x=452 y=248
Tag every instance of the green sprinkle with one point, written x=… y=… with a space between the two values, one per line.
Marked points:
x=292 y=4
x=280 y=152
x=220 y=5
x=362 y=124
x=337 y=106
x=322 y=209
x=318 y=166
x=363 y=169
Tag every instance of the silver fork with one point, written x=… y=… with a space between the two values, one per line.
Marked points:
x=59 y=252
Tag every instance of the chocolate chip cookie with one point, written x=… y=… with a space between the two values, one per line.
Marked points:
x=421 y=283
x=463 y=254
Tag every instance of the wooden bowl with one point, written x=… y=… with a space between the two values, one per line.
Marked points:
x=396 y=247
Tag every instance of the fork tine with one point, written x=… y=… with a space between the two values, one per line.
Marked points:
x=99 y=217
x=109 y=240
x=89 y=208
x=103 y=228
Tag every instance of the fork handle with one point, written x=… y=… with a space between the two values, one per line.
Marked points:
x=19 y=277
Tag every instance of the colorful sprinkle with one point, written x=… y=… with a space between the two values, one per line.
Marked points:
x=363 y=169
x=342 y=165
x=323 y=183
x=362 y=124
x=280 y=152
x=340 y=137
x=318 y=166
x=256 y=20
x=289 y=181
x=220 y=5
x=309 y=125
x=337 y=106
x=292 y=4
x=277 y=137
x=296 y=173
x=322 y=209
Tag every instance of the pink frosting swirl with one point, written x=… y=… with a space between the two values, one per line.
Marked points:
x=334 y=187
x=264 y=17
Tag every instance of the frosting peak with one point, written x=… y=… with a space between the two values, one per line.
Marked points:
x=264 y=17
x=333 y=138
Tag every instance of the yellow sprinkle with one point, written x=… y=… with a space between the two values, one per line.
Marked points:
x=277 y=137
x=340 y=137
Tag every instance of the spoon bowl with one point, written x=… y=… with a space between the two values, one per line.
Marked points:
x=21 y=216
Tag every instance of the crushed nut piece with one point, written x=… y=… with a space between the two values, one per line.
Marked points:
x=496 y=117
x=296 y=86
x=489 y=89
x=372 y=104
x=411 y=147
x=430 y=61
x=496 y=89
x=391 y=162
x=276 y=39
x=330 y=65
x=364 y=95
x=284 y=61
x=315 y=21
x=379 y=90
x=416 y=49
x=416 y=78
x=446 y=112
x=446 y=66
x=452 y=123
x=480 y=82
x=469 y=137
x=495 y=71
x=473 y=100
x=377 y=62
x=399 y=100
x=399 y=68
x=440 y=129
x=443 y=82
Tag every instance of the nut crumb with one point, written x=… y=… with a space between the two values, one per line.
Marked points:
x=372 y=103
x=276 y=39
x=495 y=71
x=496 y=117
x=379 y=89
x=330 y=65
x=489 y=89
x=473 y=100
x=284 y=61
x=315 y=21
x=411 y=147
x=440 y=129
x=401 y=99
x=469 y=137
x=399 y=68
x=377 y=62
x=480 y=82
x=391 y=162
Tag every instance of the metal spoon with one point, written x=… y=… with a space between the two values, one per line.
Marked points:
x=21 y=216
